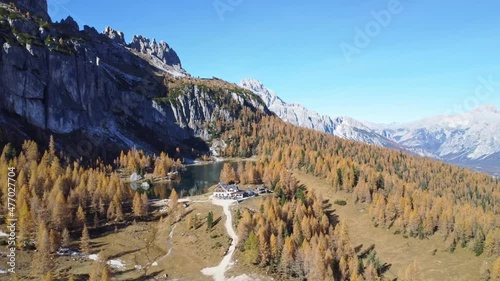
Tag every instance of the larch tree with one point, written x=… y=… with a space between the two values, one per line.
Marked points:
x=245 y=225
x=173 y=200
x=24 y=225
x=65 y=238
x=252 y=249
x=242 y=176
x=210 y=220
x=264 y=247
x=55 y=240
x=228 y=175
x=111 y=212
x=137 y=205
x=273 y=243
x=60 y=212
x=145 y=203
x=118 y=208
x=42 y=261
x=344 y=269
x=85 y=241
x=81 y=218
x=288 y=256
x=99 y=268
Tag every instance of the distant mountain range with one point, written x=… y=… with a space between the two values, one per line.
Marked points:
x=470 y=139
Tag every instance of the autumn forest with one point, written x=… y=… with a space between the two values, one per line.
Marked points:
x=293 y=235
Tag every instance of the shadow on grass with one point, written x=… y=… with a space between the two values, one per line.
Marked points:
x=366 y=252
x=216 y=222
x=151 y=276
x=358 y=248
x=122 y=254
x=385 y=268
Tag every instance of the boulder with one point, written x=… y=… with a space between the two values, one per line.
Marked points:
x=135 y=177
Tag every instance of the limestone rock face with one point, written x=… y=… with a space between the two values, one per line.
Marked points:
x=62 y=81
x=37 y=8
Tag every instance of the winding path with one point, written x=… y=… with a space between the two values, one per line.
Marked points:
x=218 y=272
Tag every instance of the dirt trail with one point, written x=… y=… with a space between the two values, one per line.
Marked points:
x=219 y=271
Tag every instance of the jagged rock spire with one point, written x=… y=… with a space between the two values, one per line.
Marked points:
x=115 y=35
x=160 y=50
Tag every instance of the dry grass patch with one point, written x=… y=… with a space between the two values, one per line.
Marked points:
x=148 y=250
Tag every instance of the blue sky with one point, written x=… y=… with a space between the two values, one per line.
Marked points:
x=426 y=58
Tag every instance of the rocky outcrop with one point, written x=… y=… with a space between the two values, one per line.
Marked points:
x=115 y=36
x=37 y=8
x=161 y=50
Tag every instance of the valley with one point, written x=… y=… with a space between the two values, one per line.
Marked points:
x=124 y=165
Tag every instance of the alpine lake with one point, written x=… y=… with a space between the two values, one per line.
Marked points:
x=194 y=180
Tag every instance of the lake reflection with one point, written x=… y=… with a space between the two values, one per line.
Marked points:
x=194 y=181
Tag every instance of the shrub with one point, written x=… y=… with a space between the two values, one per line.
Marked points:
x=25 y=38
x=49 y=40
x=4 y=12
x=43 y=24
x=340 y=202
x=478 y=247
x=14 y=16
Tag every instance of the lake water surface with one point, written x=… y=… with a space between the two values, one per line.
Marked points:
x=194 y=181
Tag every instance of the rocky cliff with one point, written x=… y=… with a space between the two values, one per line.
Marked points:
x=37 y=8
x=94 y=88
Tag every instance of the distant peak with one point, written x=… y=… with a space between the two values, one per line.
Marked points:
x=252 y=83
x=258 y=87
x=486 y=108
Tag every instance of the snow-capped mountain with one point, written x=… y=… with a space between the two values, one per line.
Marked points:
x=344 y=127
x=470 y=139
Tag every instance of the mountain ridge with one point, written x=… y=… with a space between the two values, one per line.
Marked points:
x=468 y=139
x=296 y=114
x=93 y=92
